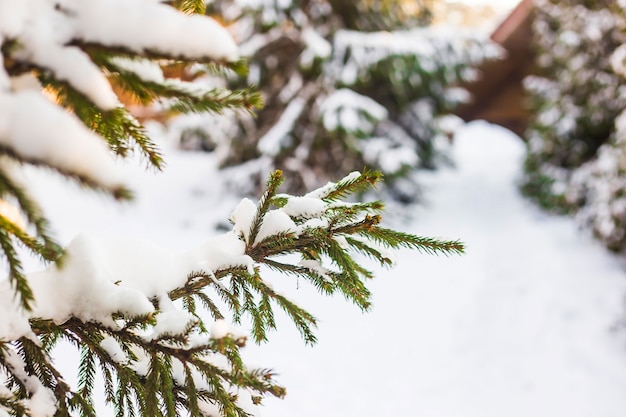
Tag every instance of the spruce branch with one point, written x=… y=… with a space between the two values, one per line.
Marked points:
x=323 y=283
x=86 y=374
x=183 y=97
x=17 y=278
x=349 y=279
x=117 y=192
x=157 y=392
x=155 y=371
x=142 y=380
x=45 y=252
x=349 y=185
x=214 y=100
x=395 y=239
x=97 y=51
x=350 y=229
x=369 y=251
x=118 y=127
x=191 y=6
x=274 y=181
x=33 y=213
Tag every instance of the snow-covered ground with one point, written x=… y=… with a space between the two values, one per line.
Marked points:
x=525 y=324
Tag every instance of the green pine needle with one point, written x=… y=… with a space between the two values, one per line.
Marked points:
x=274 y=181
x=349 y=185
x=394 y=239
x=18 y=280
x=192 y=6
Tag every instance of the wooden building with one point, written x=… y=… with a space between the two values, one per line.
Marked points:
x=498 y=95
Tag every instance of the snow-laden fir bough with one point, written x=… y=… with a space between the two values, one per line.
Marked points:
x=153 y=324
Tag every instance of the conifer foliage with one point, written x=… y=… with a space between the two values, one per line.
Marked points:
x=346 y=84
x=575 y=158
x=152 y=324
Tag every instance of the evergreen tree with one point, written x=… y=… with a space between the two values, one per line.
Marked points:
x=346 y=85
x=575 y=159
x=151 y=322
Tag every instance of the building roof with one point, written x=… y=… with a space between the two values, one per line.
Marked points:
x=498 y=96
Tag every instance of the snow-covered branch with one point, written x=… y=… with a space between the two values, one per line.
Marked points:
x=134 y=307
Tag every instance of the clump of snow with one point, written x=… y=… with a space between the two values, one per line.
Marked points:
x=58 y=138
x=14 y=323
x=316 y=47
x=141 y=265
x=275 y=222
x=391 y=160
x=171 y=321
x=163 y=29
x=145 y=69
x=317 y=267
x=99 y=277
x=42 y=401
x=221 y=252
x=219 y=329
x=314 y=223
x=273 y=140
x=351 y=111
x=356 y=51
x=242 y=217
x=113 y=348
x=74 y=66
x=84 y=286
x=305 y=207
x=324 y=190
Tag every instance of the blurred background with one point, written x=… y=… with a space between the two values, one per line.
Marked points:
x=501 y=124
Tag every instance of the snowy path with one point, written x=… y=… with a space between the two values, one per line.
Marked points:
x=519 y=326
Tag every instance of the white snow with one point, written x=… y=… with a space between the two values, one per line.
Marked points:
x=144 y=26
x=58 y=138
x=525 y=324
x=85 y=286
x=144 y=68
x=114 y=350
x=316 y=47
x=46 y=29
x=14 y=323
x=171 y=321
x=242 y=217
x=305 y=207
x=351 y=111
x=50 y=35
x=275 y=222
x=317 y=267
x=221 y=252
x=377 y=151
x=273 y=140
x=219 y=329
x=324 y=190
x=42 y=402
x=355 y=51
